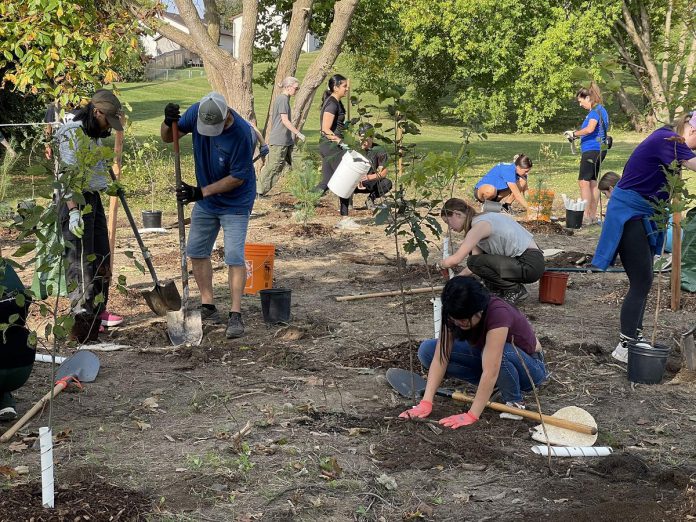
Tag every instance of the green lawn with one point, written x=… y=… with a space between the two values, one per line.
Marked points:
x=147 y=101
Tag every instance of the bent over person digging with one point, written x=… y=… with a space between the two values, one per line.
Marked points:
x=223 y=151
x=485 y=341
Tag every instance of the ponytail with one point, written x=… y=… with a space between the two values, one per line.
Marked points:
x=592 y=92
x=335 y=81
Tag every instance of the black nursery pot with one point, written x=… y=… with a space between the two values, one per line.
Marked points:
x=152 y=219
x=646 y=363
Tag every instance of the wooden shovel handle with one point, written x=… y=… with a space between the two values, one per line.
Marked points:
x=554 y=421
x=59 y=387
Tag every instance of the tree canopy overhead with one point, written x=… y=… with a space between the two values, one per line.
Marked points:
x=59 y=49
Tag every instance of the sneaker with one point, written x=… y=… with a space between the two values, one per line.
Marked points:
x=235 y=326
x=210 y=315
x=512 y=416
x=620 y=353
x=7 y=414
x=108 y=319
x=347 y=223
x=370 y=204
x=515 y=297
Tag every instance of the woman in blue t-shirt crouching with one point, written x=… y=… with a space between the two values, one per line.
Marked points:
x=485 y=341
x=593 y=147
x=505 y=183
x=629 y=228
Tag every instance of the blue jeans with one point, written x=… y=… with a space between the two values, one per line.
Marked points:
x=204 y=230
x=465 y=364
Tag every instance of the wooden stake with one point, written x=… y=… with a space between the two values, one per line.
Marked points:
x=113 y=201
x=676 y=261
x=408 y=291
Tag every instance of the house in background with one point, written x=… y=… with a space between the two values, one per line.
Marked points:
x=157 y=45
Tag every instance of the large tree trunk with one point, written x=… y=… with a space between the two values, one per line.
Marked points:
x=287 y=62
x=641 y=42
x=343 y=11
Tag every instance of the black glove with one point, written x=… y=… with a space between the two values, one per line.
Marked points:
x=171 y=114
x=188 y=194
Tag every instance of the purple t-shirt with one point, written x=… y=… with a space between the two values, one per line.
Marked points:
x=501 y=314
x=644 y=169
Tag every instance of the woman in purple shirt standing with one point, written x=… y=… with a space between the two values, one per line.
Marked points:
x=629 y=229
x=483 y=341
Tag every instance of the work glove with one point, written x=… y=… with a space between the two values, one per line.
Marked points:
x=264 y=150
x=457 y=421
x=420 y=411
x=569 y=135
x=171 y=114
x=188 y=193
x=300 y=136
x=76 y=225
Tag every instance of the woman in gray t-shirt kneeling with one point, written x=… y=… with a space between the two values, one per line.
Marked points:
x=500 y=251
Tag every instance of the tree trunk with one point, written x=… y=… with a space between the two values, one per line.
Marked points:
x=343 y=11
x=630 y=110
x=688 y=73
x=290 y=54
x=642 y=44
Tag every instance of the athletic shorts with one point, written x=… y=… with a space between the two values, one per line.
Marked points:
x=590 y=162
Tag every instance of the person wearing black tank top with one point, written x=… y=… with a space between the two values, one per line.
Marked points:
x=332 y=122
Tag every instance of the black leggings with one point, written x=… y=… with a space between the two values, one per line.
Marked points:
x=637 y=259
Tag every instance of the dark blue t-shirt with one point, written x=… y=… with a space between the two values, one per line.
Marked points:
x=499 y=176
x=594 y=140
x=229 y=154
x=644 y=170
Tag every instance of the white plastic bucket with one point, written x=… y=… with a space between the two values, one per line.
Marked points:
x=347 y=175
x=437 y=315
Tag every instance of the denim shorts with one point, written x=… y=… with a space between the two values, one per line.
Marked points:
x=204 y=230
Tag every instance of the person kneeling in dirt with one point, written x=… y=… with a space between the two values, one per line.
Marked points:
x=505 y=183
x=500 y=251
x=223 y=152
x=485 y=341
x=16 y=355
x=375 y=182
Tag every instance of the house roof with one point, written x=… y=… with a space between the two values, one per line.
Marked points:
x=176 y=18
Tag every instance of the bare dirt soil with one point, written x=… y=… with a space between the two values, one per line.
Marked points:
x=156 y=436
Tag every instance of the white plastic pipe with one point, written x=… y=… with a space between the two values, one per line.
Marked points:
x=47 y=486
x=437 y=315
x=576 y=451
x=446 y=253
x=42 y=357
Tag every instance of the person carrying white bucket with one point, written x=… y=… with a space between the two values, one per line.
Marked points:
x=332 y=122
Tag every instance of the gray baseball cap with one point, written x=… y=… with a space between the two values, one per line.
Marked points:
x=212 y=112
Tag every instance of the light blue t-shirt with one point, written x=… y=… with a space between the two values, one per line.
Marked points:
x=499 y=176
x=229 y=154
x=591 y=141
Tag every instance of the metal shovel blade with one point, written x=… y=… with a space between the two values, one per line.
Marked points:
x=84 y=366
x=185 y=327
x=163 y=298
x=404 y=382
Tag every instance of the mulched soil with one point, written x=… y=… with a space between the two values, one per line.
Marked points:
x=546 y=227
x=396 y=356
x=85 y=500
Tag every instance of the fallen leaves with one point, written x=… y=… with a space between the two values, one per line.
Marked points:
x=330 y=469
x=17 y=447
x=387 y=482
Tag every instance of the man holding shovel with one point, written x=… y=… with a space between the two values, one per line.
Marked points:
x=223 y=150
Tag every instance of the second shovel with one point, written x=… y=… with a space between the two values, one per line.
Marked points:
x=184 y=326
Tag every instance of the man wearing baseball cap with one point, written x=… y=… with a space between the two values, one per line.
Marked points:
x=83 y=219
x=223 y=151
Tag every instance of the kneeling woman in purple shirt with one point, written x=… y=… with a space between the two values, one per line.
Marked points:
x=485 y=341
x=629 y=228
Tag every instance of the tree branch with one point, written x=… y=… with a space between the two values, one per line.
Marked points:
x=343 y=11
x=246 y=39
x=676 y=72
x=212 y=20
x=292 y=47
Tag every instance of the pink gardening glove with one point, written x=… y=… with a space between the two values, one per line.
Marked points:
x=457 y=421
x=420 y=411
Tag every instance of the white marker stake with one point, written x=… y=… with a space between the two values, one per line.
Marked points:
x=46 y=443
x=446 y=253
x=558 y=451
x=42 y=357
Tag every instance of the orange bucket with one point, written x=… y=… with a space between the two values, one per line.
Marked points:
x=258 y=258
x=552 y=288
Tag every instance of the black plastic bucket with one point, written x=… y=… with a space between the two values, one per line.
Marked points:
x=646 y=363
x=275 y=305
x=574 y=218
x=152 y=218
